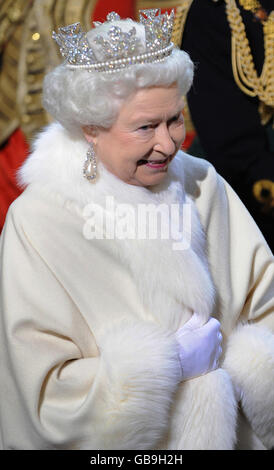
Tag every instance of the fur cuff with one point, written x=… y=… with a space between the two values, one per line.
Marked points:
x=250 y=363
x=205 y=414
x=135 y=386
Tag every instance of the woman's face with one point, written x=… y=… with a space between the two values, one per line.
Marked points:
x=147 y=134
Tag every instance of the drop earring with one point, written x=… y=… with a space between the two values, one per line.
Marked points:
x=90 y=165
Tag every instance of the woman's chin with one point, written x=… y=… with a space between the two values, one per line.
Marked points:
x=150 y=178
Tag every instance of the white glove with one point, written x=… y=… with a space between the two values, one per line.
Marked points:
x=200 y=346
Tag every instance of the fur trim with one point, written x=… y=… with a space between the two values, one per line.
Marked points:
x=134 y=407
x=211 y=425
x=134 y=388
x=250 y=362
x=56 y=166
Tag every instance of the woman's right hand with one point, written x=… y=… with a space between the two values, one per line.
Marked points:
x=199 y=346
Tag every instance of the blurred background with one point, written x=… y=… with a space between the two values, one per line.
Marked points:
x=229 y=110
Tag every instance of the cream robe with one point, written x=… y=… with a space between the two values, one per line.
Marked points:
x=88 y=354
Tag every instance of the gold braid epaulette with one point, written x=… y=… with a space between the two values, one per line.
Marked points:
x=243 y=67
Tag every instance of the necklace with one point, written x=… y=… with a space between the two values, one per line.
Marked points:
x=243 y=67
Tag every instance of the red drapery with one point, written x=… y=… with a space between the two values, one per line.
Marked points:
x=12 y=155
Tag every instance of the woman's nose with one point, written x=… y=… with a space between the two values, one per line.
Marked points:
x=164 y=142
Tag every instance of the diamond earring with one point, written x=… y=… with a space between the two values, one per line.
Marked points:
x=90 y=165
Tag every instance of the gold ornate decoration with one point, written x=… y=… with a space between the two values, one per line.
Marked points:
x=252 y=5
x=255 y=7
x=11 y=13
x=243 y=67
x=263 y=191
x=29 y=52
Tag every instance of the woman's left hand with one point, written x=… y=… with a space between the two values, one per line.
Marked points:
x=199 y=346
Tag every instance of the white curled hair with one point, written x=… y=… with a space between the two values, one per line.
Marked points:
x=78 y=98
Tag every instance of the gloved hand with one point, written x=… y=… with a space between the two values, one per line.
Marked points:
x=200 y=346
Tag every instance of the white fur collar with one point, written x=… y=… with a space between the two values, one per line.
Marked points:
x=56 y=166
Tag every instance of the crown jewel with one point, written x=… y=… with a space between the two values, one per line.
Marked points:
x=158 y=28
x=74 y=45
x=120 y=49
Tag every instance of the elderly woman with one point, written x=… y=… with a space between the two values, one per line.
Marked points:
x=120 y=259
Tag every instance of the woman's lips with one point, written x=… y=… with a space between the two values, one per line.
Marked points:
x=157 y=164
x=154 y=163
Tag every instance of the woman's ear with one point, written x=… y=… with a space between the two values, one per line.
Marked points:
x=90 y=133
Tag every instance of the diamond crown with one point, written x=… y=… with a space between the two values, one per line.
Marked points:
x=120 y=49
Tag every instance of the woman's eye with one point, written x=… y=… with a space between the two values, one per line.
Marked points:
x=145 y=128
x=176 y=118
